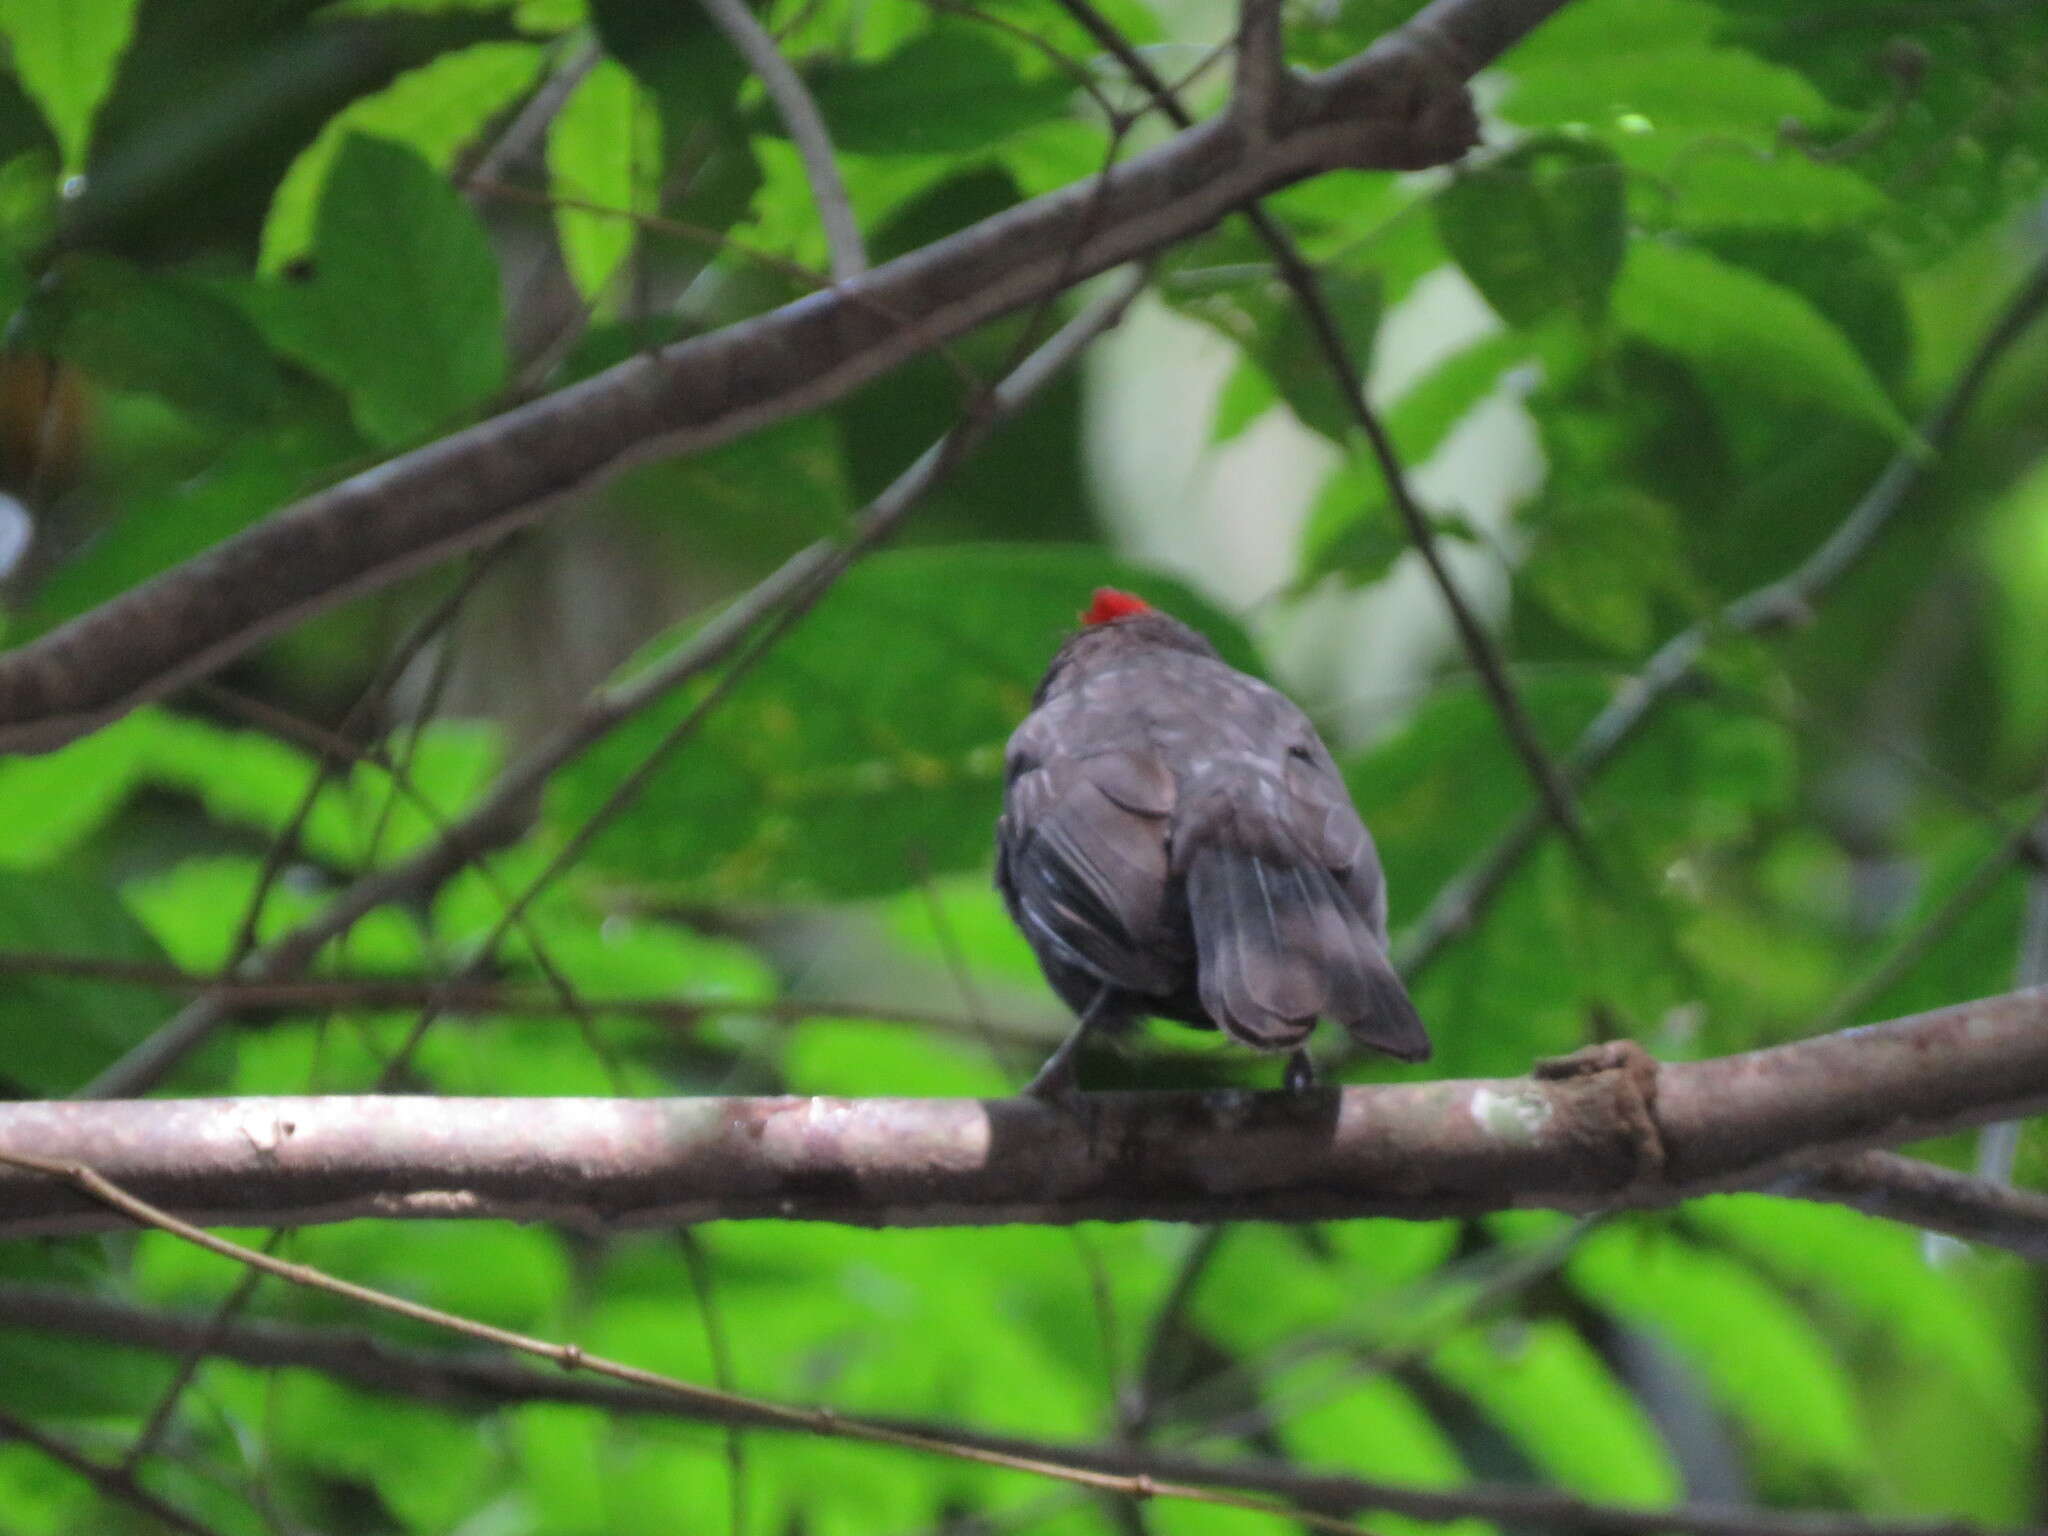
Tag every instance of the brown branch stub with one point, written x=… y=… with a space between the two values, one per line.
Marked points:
x=1602 y=1133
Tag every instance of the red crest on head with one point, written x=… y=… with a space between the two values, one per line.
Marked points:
x=1108 y=604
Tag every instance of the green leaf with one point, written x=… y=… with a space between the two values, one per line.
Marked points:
x=604 y=149
x=1750 y=333
x=1541 y=230
x=1761 y=1359
x=65 y=55
x=56 y=1033
x=836 y=769
x=256 y=474
x=50 y=803
x=949 y=91
x=1261 y=314
x=402 y=309
x=1351 y=529
x=1601 y=561
x=435 y=110
x=159 y=334
x=1547 y=1389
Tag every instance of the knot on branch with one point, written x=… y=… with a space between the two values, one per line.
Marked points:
x=1623 y=1105
x=1411 y=98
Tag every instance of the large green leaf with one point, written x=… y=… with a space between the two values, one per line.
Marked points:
x=65 y=55
x=402 y=307
x=1543 y=1385
x=1764 y=1362
x=1749 y=332
x=434 y=110
x=159 y=334
x=604 y=153
x=869 y=745
x=949 y=91
x=1539 y=230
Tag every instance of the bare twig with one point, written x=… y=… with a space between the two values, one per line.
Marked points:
x=823 y=1422
x=807 y=131
x=1301 y=280
x=1605 y=1130
x=1777 y=605
x=365 y=1360
x=115 y=1483
x=531 y=121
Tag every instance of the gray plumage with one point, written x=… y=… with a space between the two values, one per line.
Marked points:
x=1175 y=840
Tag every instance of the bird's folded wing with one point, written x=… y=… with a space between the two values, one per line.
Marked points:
x=1085 y=860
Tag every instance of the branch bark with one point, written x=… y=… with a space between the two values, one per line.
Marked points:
x=1605 y=1129
x=1400 y=105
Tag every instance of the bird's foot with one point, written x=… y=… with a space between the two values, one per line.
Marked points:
x=1299 y=1075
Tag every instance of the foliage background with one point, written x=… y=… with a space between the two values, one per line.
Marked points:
x=1722 y=253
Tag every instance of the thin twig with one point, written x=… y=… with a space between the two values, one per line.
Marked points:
x=823 y=1422
x=376 y=994
x=1301 y=280
x=531 y=121
x=1780 y=604
x=114 y=1482
x=807 y=131
x=500 y=815
x=473 y=1380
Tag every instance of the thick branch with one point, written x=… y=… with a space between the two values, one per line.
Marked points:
x=1594 y=1132
x=474 y=1379
x=1398 y=106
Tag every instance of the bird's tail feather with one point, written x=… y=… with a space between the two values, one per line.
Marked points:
x=1279 y=944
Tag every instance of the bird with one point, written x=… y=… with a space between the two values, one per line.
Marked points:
x=1176 y=842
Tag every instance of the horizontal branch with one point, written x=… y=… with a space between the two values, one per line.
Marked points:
x=1603 y=1129
x=474 y=1379
x=1400 y=105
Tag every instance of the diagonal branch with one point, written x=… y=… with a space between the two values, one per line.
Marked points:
x=500 y=813
x=1400 y=105
x=1777 y=605
x=474 y=1380
x=806 y=125
x=1268 y=74
x=1603 y=1130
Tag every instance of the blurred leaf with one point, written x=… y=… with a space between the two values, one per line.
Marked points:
x=948 y=91
x=1551 y=1394
x=158 y=334
x=604 y=149
x=855 y=1057
x=402 y=308
x=1600 y=563
x=1539 y=230
x=56 y=1033
x=65 y=55
x=828 y=773
x=1352 y=531
x=1750 y=332
x=1260 y=313
x=50 y=803
x=434 y=110
x=678 y=53
x=1764 y=1363
x=256 y=474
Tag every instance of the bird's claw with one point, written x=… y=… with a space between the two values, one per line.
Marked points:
x=1299 y=1076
